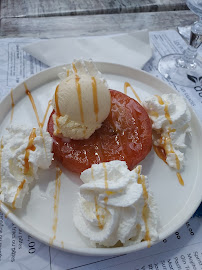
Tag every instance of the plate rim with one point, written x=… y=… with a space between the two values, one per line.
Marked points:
x=89 y=250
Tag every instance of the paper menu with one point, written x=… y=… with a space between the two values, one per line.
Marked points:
x=183 y=250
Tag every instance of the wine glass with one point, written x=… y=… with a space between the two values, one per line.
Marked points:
x=184 y=69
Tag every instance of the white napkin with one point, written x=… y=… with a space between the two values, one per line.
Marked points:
x=128 y=49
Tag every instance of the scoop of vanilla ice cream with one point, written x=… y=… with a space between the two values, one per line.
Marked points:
x=111 y=205
x=17 y=147
x=170 y=117
x=83 y=100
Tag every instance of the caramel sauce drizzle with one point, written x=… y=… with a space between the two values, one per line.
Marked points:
x=160 y=100
x=56 y=203
x=40 y=124
x=126 y=85
x=62 y=244
x=181 y=181
x=56 y=101
x=155 y=114
x=68 y=73
x=30 y=147
x=33 y=104
x=167 y=115
x=36 y=114
x=160 y=151
x=74 y=67
x=100 y=225
x=46 y=112
x=95 y=99
x=13 y=105
x=78 y=88
x=20 y=187
x=57 y=125
x=106 y=182
x=58 y=114
x=145 y=211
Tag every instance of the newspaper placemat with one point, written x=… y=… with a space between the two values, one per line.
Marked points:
x=182 y=250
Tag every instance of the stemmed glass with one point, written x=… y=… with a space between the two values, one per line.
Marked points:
x=184 y=69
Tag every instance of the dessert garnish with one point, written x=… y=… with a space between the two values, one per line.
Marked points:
x=125 y=134
x=115 y=206
x=170 y=117
x=22 y=153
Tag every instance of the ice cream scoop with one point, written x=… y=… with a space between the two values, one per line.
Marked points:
x=81 y=101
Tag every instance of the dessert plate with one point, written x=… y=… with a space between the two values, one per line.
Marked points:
x=49 y=219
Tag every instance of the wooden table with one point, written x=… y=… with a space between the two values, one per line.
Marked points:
x=59 y=18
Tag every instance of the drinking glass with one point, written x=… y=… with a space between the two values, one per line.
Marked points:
x=184 y=69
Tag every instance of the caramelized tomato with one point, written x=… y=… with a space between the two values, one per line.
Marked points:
x=126 y=134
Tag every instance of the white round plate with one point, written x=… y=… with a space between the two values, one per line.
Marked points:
x=176 y=203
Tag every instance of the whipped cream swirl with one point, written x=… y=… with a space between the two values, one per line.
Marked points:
x=114 y=206
x=170 y=117
x=24 y=150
